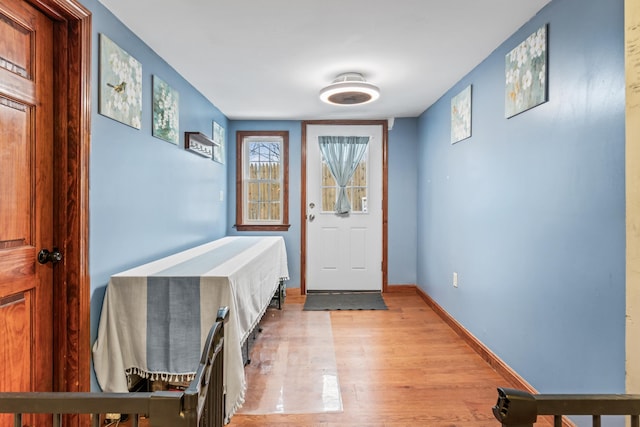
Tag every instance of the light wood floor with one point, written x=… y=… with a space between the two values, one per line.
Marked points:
x=399 y=367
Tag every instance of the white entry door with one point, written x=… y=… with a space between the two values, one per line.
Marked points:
x=344 y=251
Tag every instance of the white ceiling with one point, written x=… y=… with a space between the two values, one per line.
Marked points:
x=268 y=59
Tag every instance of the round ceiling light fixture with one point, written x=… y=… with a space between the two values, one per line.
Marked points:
x=349 y=89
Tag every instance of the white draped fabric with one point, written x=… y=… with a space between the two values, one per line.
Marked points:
x=155 y=318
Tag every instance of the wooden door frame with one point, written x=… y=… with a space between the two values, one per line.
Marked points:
x=72 y=121
x=303 y=198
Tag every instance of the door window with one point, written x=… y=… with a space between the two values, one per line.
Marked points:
x=356 y=188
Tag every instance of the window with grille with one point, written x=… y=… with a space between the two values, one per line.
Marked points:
x=262 y=184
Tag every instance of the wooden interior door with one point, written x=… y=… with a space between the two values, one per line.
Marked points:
x=26 y=198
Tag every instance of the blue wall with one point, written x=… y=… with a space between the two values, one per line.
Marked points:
x=530 y=211
x=148 y=198
x=402 y=225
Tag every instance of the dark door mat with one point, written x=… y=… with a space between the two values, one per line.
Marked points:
x=345 y=301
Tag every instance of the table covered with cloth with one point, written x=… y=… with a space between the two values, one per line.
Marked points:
x=155 y=318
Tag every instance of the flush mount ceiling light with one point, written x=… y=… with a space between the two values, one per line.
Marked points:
x=349 y=89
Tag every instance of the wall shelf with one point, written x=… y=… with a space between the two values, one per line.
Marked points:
x=199 y=143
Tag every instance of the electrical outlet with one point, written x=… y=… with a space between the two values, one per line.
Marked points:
x=221 y=196
x=455 y=279
x=112 y=417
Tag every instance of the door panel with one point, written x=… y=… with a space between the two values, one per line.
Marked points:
x=358 y=247
x=15 y=340
x=344 y=252
x=15 y=43
x=329 y=240
x=26 y=200
x=15 y=209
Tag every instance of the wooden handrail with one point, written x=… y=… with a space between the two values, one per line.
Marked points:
x=518 y=408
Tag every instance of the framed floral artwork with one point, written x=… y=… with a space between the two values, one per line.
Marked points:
x=165 y=111
x=120 y=94
x=218 y=139
x=461 y=115
x=526 y=74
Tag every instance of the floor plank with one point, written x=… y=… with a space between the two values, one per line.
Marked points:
x=398 y=367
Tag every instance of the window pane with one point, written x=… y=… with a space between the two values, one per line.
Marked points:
x=275 y=192
x=359 y=183
x=359 y=178
x=275 y=211
x=328 y=199
x=265 y=192
x=264 y=171
x=359 y=193
x=252 y=192
x=327 y=178
x=252 y=210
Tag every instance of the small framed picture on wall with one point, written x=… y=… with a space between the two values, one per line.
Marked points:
x=219 y=142
x=461 y=115
x=165 y=111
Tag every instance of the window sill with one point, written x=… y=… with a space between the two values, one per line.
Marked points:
x=270 y=227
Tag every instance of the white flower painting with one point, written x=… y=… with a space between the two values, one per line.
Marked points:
x=461 y=115
x=526 y=74
x=120 y=84
x=165 y=111
x=218 y=139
